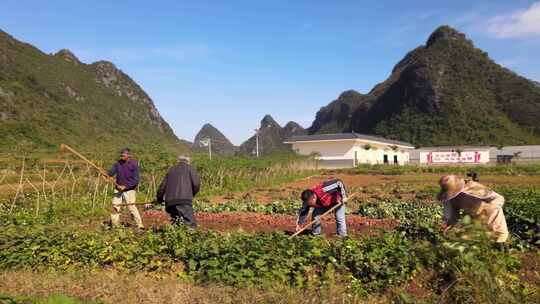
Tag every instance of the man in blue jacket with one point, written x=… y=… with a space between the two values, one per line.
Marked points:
x=126 y=171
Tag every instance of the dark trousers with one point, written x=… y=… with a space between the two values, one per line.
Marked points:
x=182 y=213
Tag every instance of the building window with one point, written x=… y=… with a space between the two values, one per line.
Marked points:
x=385 y=159
x=395 y=159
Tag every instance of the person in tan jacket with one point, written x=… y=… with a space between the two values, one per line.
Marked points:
x=477 y=201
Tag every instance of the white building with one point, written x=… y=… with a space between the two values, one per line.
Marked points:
x=345 y=150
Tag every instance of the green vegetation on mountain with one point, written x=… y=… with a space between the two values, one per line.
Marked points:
x=444 y=93
x=271 y=137
x=46 y=100
x=220 y=143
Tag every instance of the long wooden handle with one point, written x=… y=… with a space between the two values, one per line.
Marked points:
x=102 y=171
x=313 y=221
x=320 y=218
x=133 y=204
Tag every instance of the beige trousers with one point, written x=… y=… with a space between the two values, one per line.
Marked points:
x=496 y=221
x=120 y=198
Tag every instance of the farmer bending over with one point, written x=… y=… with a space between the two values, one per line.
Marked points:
x=476 y=200
x=126 y=170
x=323 y=197
x=177 y=189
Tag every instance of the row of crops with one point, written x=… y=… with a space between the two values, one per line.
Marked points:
x=463 y=260
x=57 y=227
x=238 y=259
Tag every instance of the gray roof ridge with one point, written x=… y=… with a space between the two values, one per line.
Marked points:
x=352 y=135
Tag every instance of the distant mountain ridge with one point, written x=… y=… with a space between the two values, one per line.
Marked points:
x=446 y=92
x=221 y=145
x=50 y=99
x=271 y=137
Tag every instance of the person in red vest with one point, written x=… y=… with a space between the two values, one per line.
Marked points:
x=321 y=198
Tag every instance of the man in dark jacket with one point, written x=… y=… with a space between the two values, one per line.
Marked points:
x=177 y=190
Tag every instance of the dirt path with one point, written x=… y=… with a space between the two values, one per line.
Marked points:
x=292 y=190
x=426 y=179
x=351 y=180
x=256 y=222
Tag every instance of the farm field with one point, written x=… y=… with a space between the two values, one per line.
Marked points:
x=55 y=241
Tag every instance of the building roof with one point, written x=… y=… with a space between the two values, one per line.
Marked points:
x=346 y=136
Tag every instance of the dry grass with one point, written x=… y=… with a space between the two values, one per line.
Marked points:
x=118 y=288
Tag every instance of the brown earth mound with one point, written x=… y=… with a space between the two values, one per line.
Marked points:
x=257 y=222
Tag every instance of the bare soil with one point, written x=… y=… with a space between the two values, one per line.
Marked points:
x=256 y=222
x=367 y=182
x=423 y=179
x=530 y=269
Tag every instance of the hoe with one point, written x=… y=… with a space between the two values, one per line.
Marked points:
x=320 y=218
x=66 y=148
x=103 y=172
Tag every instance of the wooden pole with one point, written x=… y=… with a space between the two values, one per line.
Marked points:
x=101 y=170
x=135 y=204
x=19 y=188
x=38 y=195
x=313 y=221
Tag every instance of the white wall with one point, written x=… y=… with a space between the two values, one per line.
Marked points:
x=532 y=152
x=449 y=157
x=327 y=150
x=376 y=154
x=338 y=150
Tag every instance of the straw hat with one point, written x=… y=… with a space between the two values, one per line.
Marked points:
x=184 y=158
x=451 y=186
x=478 y=191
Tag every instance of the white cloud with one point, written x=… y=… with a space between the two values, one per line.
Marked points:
x=518 y=24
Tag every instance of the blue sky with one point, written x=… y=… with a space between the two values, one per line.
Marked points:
x=231 y=62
